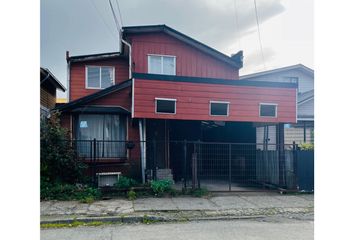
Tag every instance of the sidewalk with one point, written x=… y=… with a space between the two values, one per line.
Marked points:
x=177 y=208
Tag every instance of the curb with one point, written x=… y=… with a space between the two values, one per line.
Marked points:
x=148 y=218
x=182 y=216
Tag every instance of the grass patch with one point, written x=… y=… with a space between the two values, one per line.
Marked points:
x=146 y=220
x=74 y=224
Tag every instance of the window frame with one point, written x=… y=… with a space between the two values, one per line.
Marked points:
x=221 y=102
x=166 y=99
x=76 y=128
x=86 y=76
x=268 y=104
x=162 y=56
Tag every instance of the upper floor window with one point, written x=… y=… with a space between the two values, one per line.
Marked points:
x=98 y=77
x=268 y=110
x=159 y=64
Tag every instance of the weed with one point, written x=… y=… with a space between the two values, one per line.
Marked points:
x=131 y=195
x=75 y=223
x=147 y=220
x=125 y=182
x=159 y=187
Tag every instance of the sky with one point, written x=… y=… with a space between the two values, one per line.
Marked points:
x=87 y=27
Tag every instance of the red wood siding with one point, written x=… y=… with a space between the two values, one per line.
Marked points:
x=193 y=101
x=120 y=98
x=189 y=60
x=77 y=75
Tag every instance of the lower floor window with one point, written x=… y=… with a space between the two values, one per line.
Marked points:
x=108 y=129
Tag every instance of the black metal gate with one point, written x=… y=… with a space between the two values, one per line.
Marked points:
x=216 y=166
x=305 y=170
x=237 y=166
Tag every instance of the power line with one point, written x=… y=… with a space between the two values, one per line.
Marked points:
x=259 y=33
x=238 y=31
x=102 y=19
x=120 y=15
x=114 y=16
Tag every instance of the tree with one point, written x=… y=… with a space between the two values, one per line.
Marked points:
x=59 y=163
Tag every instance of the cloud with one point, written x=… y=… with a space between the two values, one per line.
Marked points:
x=212 y=22
x=82 y=28
x=254 y=60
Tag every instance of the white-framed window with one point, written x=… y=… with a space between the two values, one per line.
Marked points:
x=99 y=77
x=161 y=64
x=219 y=108
x=268 y=109
x=165 y=105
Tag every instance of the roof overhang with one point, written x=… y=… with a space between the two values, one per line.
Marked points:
x=305 y=97
x=174 y=78
x=84 y=101
x=300 y=67
x=48 y=77
x=95 y=57
x=101 y=109
x=235 y=61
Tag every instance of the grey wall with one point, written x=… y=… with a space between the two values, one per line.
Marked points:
x=306 y=81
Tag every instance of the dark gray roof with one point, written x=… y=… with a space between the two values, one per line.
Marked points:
x=47 y=76
x=84 y=100
x=236 y=60
x=302 y=97
x=98 y=56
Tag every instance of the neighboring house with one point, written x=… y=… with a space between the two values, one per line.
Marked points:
x=303 y=130
x=165 y=86
x=61 y=100
x=49 y=86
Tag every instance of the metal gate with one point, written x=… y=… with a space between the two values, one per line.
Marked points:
x=238 y=166
x=305 y=170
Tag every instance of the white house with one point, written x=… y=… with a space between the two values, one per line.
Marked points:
x=303 y=131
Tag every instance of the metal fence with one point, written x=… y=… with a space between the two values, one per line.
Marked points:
x=216 y=166
x=238 y=166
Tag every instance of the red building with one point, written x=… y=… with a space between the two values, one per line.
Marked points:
x=165 y=86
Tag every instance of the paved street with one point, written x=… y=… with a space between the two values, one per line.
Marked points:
x=269 y=228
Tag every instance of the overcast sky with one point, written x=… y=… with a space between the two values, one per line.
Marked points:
x=87 y=26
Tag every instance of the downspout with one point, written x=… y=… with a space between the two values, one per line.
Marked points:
x=68 y=74
x=130 y=57
x=141 y=126
x=142 y=149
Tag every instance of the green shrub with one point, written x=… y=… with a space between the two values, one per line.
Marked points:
x=131 y=195
x=306 y=146
x=58 y=158
x=161 y=186
x=125 y=183
x=88 y=200
x=57 y=191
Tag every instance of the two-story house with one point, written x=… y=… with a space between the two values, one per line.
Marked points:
x=165 y=87
x=303 y=130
